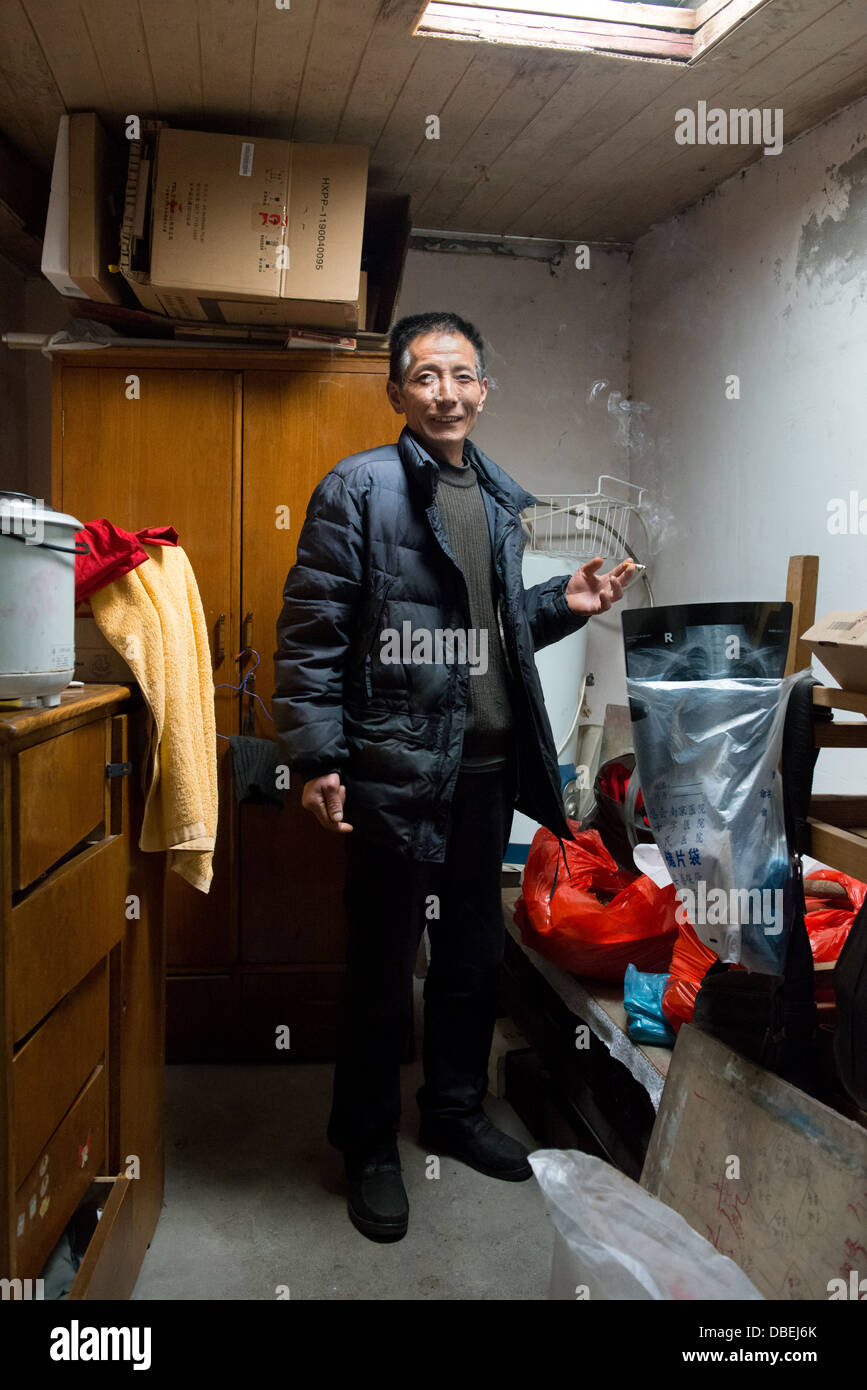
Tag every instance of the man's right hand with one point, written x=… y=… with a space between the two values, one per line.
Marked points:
x=324 y=796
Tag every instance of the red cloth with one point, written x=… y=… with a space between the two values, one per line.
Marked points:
x=614 y=782
x=114 y=552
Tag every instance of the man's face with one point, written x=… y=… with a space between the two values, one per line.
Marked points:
x=440 y=395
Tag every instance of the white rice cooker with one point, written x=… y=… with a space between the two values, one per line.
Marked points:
x=37 y=599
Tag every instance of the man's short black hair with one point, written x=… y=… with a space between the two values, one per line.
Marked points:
x=414 y=325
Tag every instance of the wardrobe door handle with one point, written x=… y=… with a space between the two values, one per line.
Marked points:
x=247 y=636
x=220 y=639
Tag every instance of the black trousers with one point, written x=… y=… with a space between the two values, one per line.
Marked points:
x=389 y=901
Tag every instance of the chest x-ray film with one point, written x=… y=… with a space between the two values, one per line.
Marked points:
x=707 y=641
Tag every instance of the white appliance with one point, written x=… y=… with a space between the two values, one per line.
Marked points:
x=561 y=671
x=563 y=530
x=37 y=599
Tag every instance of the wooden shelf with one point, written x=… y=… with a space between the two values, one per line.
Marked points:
x=832 y=698
x=838 y=824
x=600 y=1005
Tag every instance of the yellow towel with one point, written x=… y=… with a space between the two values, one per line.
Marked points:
x=154 y=617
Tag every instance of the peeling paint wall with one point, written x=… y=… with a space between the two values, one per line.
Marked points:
x=749 y=344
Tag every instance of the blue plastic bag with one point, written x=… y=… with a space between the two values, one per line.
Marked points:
x=642 y=999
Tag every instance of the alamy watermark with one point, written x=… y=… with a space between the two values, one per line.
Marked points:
x=23 y=1289
x=717 y=907
x=18 y=516
x=737 y=126
x=440 y=645
x=847 y=516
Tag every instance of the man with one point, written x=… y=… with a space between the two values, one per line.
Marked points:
x=416 y=749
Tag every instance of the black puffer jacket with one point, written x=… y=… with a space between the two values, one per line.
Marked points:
x=373 y=554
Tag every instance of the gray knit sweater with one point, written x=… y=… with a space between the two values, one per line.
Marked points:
x=487 y=736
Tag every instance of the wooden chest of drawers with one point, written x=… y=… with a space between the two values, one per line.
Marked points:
x=82 y=997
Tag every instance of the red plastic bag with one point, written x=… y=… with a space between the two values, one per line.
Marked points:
x=690 y=962
x=599 y=917
x=828 y=922
x=829 y=918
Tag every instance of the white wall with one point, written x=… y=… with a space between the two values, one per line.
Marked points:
x=766 y=278
x=550 y=337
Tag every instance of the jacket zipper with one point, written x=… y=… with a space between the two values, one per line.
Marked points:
x=368 y=658
x=500 y=547
x=520 y=679
x=503 y=636
x=517 y=679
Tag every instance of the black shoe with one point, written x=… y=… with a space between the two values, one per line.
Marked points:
x=377 y=1201
x=477 y=1142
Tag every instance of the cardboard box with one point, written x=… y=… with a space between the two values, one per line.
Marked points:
x=82 y=224
x=55 y=243
x=384 y=240
x=257 y=219
x=839 y=641
x=96 y=660
x=94 y=213
x=341 y=316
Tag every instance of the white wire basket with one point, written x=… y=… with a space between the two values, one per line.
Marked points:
x=582 y=524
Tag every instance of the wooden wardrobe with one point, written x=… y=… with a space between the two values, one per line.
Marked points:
x=227 y=446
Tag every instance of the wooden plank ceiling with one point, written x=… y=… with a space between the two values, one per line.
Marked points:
x=573 y=145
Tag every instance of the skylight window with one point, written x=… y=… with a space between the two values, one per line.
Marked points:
x=651 y=30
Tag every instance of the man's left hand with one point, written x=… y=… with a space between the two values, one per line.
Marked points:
x=590 y=592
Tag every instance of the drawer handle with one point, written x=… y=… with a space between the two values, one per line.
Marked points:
x=118 y=769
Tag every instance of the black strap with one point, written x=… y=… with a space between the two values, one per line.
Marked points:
x=772 y=1018
x=560 y=850
x=798 y=761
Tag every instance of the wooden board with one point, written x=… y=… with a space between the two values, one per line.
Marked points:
x=172 y=37
x=325 y=85
x=384 y=68
x=487 y=110
x=574 y=144
x=797 y=1215
x=801 y=584
x=546 y=31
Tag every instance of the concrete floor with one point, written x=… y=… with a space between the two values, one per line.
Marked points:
x=255 y=1199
